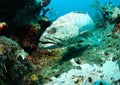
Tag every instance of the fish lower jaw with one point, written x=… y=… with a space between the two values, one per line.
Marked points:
x=47 y=45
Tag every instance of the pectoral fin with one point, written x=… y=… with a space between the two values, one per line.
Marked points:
x=84 y=33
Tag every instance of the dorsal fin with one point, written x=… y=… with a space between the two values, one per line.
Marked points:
x=80 y=12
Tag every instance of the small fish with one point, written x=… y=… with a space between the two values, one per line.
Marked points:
x=2 y=25
x=67 y=29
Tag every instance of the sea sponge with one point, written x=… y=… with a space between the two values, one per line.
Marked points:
x=89 y=74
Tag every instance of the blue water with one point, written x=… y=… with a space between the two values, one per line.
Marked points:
x=61 y=7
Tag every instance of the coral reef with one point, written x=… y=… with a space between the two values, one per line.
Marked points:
x=41 y=65
x=14 y=67
x=24 y=21
x=87 y=62
x=110 y=12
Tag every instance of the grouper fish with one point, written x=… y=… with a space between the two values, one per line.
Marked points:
x=67 y=29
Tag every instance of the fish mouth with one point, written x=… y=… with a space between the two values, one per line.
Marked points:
x=49 y=43
x=46 y=43
x=46 y=40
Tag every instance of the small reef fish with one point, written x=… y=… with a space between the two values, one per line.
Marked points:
x=67 y=29
x=2 y=25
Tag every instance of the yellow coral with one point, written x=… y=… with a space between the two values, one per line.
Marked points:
x=33 y=77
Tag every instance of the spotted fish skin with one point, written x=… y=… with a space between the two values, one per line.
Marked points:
x=67 y=29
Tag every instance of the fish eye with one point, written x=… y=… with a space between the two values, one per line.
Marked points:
x=53 y=30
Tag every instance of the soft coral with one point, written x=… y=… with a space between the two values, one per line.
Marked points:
x=29 y=40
